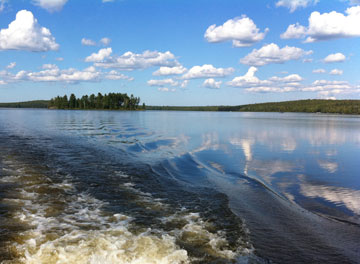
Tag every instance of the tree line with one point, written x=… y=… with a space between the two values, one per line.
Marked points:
x=123 y=101
x=111 y=101
x=27 y=104
x=305 y=106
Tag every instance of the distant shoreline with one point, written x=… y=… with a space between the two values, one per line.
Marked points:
x=298 y=106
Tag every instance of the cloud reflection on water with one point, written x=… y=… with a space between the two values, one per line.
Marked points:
x=277 y=152
x=275 y=148
x=338 y=195
x=328 y=166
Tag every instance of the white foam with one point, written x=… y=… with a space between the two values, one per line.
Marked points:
x=74 y=228
x=110 y=246
x=110 y=240
x=121 y=174
x=9 y=179
x=84 y=233
x=196 y=230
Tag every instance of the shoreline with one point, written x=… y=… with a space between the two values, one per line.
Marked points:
x=182 y=110
x=315 y=106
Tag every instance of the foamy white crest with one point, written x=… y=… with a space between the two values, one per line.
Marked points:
x=89 y=235
x=81 y=232
x=75 y=228
x=196 y=230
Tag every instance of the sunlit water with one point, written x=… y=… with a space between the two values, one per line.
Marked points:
x=178 y=187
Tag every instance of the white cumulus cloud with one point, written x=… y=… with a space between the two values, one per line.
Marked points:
x=295 y=4
x=331 y=89
x=133 y=61
x=164 y=70
x=241 y=31
x=90 y=42
x=11 y=65
x=294 y=31
x=319 y=71
x=326 y=85
x=276 y=84
x=248 y=80
x=212 y=84
x=52 y=73
x=2 y=5
x=184 y=84
x=114 y=75
x=163 y=83
x=271 y=53
x=336 y=57
x=50 y=5
x=326 y=26
x=291 y=79
x=270 y=89
x=105 y=41
x=87 y=42
x=24 y=33
x=336 y=72
x=207 y=71
x=100 y=56
x=165 y=89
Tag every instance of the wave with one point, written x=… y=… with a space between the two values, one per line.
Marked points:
x=64 y=225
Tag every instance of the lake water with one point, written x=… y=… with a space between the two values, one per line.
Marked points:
x=178 y=187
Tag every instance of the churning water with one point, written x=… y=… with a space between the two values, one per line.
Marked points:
x=178 y=187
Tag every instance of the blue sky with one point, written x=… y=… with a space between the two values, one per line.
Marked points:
x=180 y=52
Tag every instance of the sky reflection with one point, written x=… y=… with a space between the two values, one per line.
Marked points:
x=272 y=147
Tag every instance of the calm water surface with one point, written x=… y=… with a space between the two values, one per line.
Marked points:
x=178 y=187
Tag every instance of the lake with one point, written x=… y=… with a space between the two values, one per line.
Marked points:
x=178 y=187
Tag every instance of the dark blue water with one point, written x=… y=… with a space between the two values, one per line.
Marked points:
x=178 y=187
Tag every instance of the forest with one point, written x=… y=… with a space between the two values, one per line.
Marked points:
x=111 y=101
x=28 y=104
x=305 y=106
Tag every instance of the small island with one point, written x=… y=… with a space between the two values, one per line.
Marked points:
x=111 y=101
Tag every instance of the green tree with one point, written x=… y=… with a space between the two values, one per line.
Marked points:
x=64 y=102
x=72 y=101
x=92 y=101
